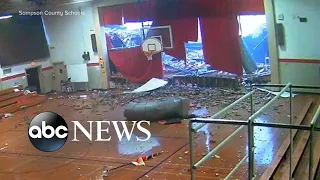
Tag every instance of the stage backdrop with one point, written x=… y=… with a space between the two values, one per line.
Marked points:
x=219 y=25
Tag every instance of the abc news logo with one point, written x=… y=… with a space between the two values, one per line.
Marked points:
x=48 y=131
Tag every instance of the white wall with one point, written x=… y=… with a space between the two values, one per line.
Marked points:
x=300 y=57
x=69 y=36
x=302 y=39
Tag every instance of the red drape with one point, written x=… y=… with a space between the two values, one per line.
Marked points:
x=175 y=9
x=133 y=12
x=112 y=15
x=250 y=7
x=183 y=30
x=134 y=65
x=221 y=43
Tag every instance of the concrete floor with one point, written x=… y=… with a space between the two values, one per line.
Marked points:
x=84 y=160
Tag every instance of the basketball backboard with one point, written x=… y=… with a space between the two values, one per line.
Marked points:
x=162 y=33
x=151 y=46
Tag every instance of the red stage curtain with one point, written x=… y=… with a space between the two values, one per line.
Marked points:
x=221 y=43
x=133 y=12
x=250 y=7
x=112 y=15
x=134 y=65
x=183 y=30
x=176 y=9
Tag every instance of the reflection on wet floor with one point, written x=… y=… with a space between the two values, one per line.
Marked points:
x=206 y=131
x=263 y=141
x=135 y=147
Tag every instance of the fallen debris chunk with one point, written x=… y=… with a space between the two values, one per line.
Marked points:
x=152 y=84
x=141 y=160
x=83 y=96
x=6 y=115
x=105 y=172
x=3 y=148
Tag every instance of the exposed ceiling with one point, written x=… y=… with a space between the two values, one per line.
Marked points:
x=13 y=6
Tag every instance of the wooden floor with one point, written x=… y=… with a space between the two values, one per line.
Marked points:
x=84 y=160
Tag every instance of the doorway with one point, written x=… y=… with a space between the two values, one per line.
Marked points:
x=60 y=74
x=33 y=79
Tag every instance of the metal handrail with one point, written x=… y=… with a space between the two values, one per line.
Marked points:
x=251 y=123
x=237 y=167
x=250 y=131
x=283 y=85
x=260 y=111
x=214 y=151
x=221 y=112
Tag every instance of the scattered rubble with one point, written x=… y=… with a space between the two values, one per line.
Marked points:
x=202 y=99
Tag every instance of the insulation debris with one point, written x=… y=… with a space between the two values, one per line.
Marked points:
x=140 y=161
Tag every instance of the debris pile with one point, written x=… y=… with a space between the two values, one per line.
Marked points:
x=203 y=100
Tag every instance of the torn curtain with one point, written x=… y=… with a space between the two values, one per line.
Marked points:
x=221 y=43
x=134 y=65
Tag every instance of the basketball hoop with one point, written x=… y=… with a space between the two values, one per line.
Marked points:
x=151 y=46
x=149 y=54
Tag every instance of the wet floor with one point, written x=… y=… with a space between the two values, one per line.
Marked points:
x=85 y=160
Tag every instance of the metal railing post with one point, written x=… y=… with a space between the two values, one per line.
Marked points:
x=311 y=153
x=251 y=140
x=250 y=149
x=291 y=139
x=191 y=150
x=251 y=102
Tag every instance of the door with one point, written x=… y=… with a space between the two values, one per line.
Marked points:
x=33 y=79
x=60 y=74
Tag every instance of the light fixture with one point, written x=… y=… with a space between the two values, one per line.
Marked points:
x=5 y=16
